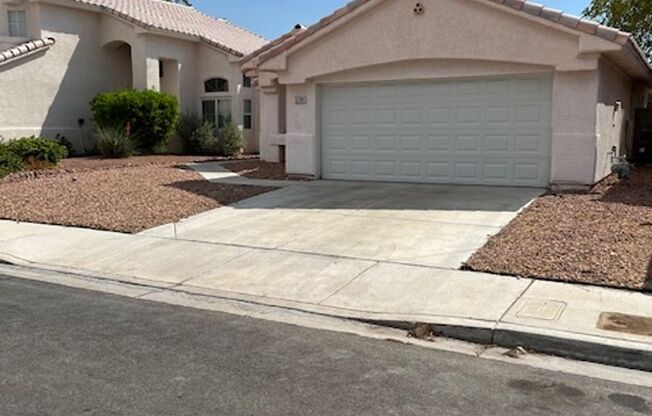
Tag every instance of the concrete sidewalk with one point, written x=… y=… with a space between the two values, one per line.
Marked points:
x=549 y=317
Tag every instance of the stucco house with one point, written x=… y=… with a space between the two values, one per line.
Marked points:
x=491 y=92
x=56 y=55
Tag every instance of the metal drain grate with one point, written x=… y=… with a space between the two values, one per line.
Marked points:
x=628 y=324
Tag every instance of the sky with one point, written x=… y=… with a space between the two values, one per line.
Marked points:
x=272 y=18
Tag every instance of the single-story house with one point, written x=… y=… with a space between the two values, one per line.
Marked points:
x=490 y=92
x=56 y=55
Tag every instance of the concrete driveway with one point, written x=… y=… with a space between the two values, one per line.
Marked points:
x=426 y=225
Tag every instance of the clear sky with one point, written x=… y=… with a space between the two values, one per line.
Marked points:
x=272 y=18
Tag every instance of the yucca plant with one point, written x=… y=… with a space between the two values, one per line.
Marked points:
x=115 y=142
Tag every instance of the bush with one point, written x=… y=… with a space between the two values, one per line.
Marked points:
x=230 y=140
x=37 y=152
x=9 y=161
x=152 y=115
x=114 y=142
x=195 y=133
x=65 y=143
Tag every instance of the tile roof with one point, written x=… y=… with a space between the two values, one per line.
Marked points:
x=24 y=49
x=290 y=39
x=168 y=16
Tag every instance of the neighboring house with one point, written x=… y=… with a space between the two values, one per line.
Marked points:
x=492 y=92
x=56 y=55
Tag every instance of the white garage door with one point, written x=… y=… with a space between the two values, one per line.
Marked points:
x=489 y=131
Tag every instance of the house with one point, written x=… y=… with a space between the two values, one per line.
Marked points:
x=56 y=55
x=489 y=92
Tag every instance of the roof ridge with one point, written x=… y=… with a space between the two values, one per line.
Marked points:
x=182 y=19
x=289 y=39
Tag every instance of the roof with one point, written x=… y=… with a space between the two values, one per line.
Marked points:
x=172 y=17
x=25 y=49
x=292 y=38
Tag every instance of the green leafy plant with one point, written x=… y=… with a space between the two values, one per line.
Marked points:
x=63 y=141
x=152 y=115
x=37 y=152
x=195 y=133
x=9 y=161
x=114 y=142
x=230 y=140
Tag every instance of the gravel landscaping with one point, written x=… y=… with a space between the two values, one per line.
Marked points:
x=256 y=169
x=128 y=195
x=602 y=237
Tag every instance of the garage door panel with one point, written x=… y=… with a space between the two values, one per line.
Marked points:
x=492 y=131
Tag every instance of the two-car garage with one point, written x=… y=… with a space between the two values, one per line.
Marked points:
x=490 y=131
x=460 y=92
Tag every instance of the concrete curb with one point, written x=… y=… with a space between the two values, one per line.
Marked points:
x=636 y=356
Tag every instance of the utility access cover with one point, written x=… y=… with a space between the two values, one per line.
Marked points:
x=628 y=324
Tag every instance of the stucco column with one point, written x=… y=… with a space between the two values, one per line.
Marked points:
x=145 y=69
x=574 y=135
x=269 y=126
x=302 y=129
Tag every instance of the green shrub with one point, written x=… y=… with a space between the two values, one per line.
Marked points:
x=38 y=151
x=152 y=115
x=65 y=143
x=195 y=133
x=114 y=142
x=9 y=161
x=230 y=140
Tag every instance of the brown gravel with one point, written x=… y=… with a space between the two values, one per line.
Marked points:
x=123 y=199
x=85 y=164
x=257 y=169
x=603 y=237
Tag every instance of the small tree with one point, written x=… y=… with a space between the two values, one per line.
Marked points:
x=633 y=16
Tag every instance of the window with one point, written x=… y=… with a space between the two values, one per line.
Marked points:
x=216 y=85
x=17 y=23
x=246 y=81
x=247 y=112
x=217 y=111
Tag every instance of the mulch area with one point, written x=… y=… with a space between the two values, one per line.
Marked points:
x=602 y=237
x=127 y=196
x=257 y=169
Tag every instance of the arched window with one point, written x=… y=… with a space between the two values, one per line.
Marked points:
x=216 y=85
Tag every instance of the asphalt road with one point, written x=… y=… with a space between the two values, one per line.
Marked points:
x=72 y=352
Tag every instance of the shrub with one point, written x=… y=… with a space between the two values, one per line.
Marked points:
x=9 y=161
x=114 y=142
x=37 y=152
x=195 y=133
x=230 y=140
x=65 y=143
x=152 y=115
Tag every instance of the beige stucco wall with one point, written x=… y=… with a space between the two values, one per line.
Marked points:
x=46 y=93
x=613 y=124
x=453 y=39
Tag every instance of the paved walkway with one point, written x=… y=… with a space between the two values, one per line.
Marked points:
x=552 y=317
x=215 y=172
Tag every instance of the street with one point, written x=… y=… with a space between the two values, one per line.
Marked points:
x=66 y=352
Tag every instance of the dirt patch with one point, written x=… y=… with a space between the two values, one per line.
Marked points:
x=602 y=237
x=118 y=198
x=256 y=169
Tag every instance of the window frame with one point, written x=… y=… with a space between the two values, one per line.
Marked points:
x=23 y=31
x=246 y=81
x=225 y=82
x=215 y=119
x=248 y=116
